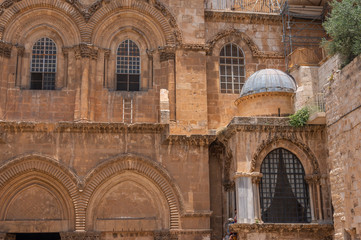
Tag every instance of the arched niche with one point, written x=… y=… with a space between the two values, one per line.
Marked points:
x=33 y=202
x=128 y=201
x=145 y=174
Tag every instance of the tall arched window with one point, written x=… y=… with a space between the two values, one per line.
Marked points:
x=43 y=65
x=283 y=190
x=231 y=68
x=128 y=66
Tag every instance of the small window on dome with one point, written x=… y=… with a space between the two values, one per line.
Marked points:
x=231 y=69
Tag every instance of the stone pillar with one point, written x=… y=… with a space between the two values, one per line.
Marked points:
x=256 y=179
x=244 y=198
x=80 y=235
x=164 y=106
x=315 y=196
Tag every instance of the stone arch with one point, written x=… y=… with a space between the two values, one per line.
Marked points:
x=144 y=167
x=236 y=35
x=44 y=173
x=61 y=11
x=158 y=18
x=301 y=150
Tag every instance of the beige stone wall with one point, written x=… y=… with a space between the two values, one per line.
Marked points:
x=343 y=131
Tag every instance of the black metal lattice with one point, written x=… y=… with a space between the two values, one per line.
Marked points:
x=231 y=69
x=128 y=66
x=43 y=64
x=283 y=189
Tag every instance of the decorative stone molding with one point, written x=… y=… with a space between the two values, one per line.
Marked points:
x=262 y=94
x=197 y=214
x=106 y=53
x=242 y=17
x=86 y=51
x=165 y=235
x=80 y=235
x=244 y=37
x=167 y=53
x=146 y=167
x=247 y=174
x=312 y=231
x=195 y=47
x=292 y=139
x=7 y=236
x=82 y=127
x=312 y=178
x=195 y=140
x=150 y=53
x=5 y=49
x=86 y=12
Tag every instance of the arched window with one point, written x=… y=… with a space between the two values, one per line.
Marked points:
x=231 y=68
x=43 y=65
x=128 y=66
x=283 y=190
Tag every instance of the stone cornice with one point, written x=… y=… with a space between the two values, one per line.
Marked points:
x=319 y=230
x=242 y=17
x=195 y=140
x=197 y=214
x=81 y=127
x=262 y=94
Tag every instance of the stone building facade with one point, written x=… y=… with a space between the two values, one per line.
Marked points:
x=118 y=120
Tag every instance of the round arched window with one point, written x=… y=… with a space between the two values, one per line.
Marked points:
x=283 y=189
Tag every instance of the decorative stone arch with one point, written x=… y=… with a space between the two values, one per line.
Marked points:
x=158 y=17
x=142 y=166
x=240 y=38
x=59 y=10
x=301 y=150
x=43 y=172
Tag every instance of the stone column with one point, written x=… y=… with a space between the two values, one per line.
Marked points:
x=244 y=198
x=256 y=179
x=315 y=197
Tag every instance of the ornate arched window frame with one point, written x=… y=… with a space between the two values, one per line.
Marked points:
x=232 y=73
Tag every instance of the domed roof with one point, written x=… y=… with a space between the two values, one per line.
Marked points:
x=268 y=80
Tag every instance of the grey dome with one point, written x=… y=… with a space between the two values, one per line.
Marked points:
x=268 y=80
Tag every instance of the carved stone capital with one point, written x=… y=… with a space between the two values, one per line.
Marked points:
x=167 y=53
x=150 y=53
x=247 y=174
x=86 y=51
x=312 y=178
x=80 y=235
x=5 y=49
x=106 y=53
x=21 y=50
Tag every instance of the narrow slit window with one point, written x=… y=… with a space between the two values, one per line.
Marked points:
x=43 y=65
x=231 y=69
x=128 y=66
x=283 y=190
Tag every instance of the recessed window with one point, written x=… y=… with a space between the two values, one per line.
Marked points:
x=43 y=65
x=231 y=68
x=128 y=66
x=283 y=190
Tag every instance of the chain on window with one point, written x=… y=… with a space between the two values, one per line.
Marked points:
x=43 y=64
x=231 y=69
x=128 y=66
x=283 y=190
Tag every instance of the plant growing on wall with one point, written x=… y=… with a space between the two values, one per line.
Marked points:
x=343 y=25
x=300 y=118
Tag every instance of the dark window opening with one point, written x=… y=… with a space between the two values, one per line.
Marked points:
x=37 y=236
x=283 y=190
x=128 y=67
x=43 y=65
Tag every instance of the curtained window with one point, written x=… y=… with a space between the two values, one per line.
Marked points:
x=231 y=68
x=43 y=65
x=283 y=190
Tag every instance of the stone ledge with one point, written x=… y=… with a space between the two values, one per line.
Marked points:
x=317 y=231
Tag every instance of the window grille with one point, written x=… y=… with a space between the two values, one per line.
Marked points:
x=128 y=66
x=43 y=65
x=231 y=69
x=283 y=190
